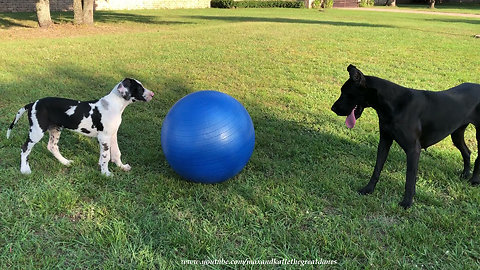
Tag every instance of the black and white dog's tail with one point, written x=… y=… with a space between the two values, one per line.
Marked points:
x=17 y=117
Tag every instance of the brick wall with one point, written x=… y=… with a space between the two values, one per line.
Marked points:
x=62 y=5
x=29 y=5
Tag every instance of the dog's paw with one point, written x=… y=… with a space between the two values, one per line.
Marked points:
x=366 y=190
x=67 y=163
x=126 y=167
x=406 y=203
x=465 y=175
x=107 y=174
x=25 y=171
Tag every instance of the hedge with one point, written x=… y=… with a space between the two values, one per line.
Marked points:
x=222 y=4
x=256 y=4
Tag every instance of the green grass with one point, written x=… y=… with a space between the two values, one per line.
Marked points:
x=296 y=199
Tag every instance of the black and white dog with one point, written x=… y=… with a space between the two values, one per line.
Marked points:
x=99 y=118
x=415 y=119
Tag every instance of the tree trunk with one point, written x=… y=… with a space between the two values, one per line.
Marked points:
x=77 y=12
x=83 y=11
x=88 y=11
x=308 y=3
x=391 y=3
x=43 y=13
x=432 y=4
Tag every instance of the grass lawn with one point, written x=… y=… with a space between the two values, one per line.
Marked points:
x=296 y=199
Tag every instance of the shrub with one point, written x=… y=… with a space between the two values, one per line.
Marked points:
x=222 y=3
x=367 y=3
x=269 y=4
x=327 y=3
x=317 y=4
x=256 y=4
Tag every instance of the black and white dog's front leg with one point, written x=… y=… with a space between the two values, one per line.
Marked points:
x=105 y=145
x=116 y=154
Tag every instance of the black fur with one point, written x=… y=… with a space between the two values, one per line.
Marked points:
x=25 y=145
x=97 y=119
x=136 y=90
x=105 y=147
x=91 y=118
x=415 y=119
x=51 y=112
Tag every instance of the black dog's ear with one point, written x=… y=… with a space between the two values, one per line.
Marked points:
x=356 y=75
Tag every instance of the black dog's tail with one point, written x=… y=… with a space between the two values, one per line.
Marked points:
x=20 y=112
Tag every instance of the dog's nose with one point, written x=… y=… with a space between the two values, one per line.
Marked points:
x=150 y=95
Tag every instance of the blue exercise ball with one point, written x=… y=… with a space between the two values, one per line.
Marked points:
x=207 y=137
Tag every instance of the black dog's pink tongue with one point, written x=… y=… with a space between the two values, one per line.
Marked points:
x=350 y=122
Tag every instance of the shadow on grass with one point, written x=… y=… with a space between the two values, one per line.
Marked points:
x=5 y=23
x=296 y=167
x=29 y=19
x=284 y=149
x=18 y=19
x=455 y=20
x=287 y=20
x=119 y=17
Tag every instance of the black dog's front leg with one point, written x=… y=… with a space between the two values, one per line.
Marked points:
x=475 y=180
x=413 y=155
x=382 y=153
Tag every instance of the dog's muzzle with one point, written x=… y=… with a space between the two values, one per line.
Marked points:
x=148 y=95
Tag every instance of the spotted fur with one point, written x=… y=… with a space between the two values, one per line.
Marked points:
x=97 y=118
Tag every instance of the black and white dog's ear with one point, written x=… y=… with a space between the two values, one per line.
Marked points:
x=356 y=75
x=124 y=92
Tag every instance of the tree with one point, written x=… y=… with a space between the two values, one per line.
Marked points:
x=432 y=3
x=43 y=13
x=83 y=11
x=77 y=11
x=308 y=3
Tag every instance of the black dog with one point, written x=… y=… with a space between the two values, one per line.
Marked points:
x=415 y=119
